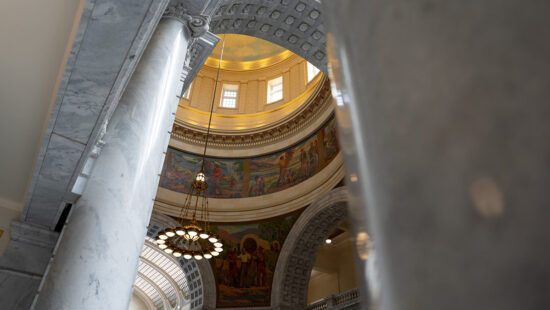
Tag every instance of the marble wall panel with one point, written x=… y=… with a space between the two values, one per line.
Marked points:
x=23 y=264
x=26 y=285
x=112 y=24
x=53 y=179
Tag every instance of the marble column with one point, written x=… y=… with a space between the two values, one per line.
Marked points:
x=96 y=263
x=444 y=114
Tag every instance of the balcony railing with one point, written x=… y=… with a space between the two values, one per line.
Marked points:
x=346 y=300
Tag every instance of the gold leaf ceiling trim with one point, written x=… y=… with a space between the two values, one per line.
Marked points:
x=249 y=65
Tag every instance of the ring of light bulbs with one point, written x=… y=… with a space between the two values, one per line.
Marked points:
x=189 y=241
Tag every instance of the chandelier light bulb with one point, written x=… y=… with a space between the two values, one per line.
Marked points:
x=170 y=233
x=162 y=246
x=203 y=235
x=198 y=256
x=160 y=241
x=207 y=255
x=214 y=253
x=193 y=232
x=169 y=250
x=187 y=255
x=180 y=231
x=200 y=177
x=218 y=249
x=213 y=239
x=162 y=236
x=218 y=245
x=176 y=253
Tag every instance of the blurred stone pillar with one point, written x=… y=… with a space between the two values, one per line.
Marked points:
x=444 y=114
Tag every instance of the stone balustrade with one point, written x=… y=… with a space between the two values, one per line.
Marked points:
x=347 y=300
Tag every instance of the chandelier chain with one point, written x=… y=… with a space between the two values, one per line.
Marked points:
x=213 y=101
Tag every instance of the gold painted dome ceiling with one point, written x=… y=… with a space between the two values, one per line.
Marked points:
x=243 y=52
x=265 y=94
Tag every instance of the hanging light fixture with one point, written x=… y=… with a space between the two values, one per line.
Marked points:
x=192 y=238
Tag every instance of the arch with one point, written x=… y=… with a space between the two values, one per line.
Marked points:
x=178 y=297
x=209 y=285
x=291 y=277
x=146 y=299
x=163 y=298
x=296 y=25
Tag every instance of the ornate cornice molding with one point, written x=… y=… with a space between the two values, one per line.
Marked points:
x=318 y=103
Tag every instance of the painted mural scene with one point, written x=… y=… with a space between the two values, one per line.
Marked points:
x=244 y=272
x=225 y=176
x=248 y=177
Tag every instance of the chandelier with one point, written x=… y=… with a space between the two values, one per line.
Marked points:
x=192 y=238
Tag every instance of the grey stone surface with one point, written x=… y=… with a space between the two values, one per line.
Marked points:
x=25 y=287
x=448 y=146
x=23 y=264
x=296 y=25
x=96 y=262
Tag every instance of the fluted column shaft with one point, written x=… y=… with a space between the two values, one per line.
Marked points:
x=96 y=263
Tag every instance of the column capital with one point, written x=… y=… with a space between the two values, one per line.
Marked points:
x=197 y=24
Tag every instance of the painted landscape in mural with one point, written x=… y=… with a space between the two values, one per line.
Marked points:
x=248 y=177
x=244 y=272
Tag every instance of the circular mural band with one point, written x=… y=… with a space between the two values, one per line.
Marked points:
x=253 y=176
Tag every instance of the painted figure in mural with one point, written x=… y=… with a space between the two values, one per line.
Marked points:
x=261 y=186
x=284 y=162
x=245 y=260
x=252 y=269
x=313 y=157
x=233 y=267
x=330 y=140
x=304 y=160
x=261 y=274
x=216 y=177
x=276 y=246
x=254 y=187
x=234 y=185
x=226 y=271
